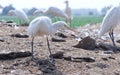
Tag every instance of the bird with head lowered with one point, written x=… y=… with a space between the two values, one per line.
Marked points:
x=43 y=25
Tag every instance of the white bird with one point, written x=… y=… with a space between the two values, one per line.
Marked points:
x=38 y=12
x=68 y=11
x=1 y=6
x=20 y=14
x=110 y=21
x=43 y=25
x=53 y=11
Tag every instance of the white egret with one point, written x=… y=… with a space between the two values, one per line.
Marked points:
x=43 y=26
x=38 y=12
x=53 y=11
x=68 y=11
x=20 y=14
x=110 y=21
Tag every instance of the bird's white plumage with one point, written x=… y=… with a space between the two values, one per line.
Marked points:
x=39 y=26
x=43 y=26
x=56 y=12
x=111 y=20
x=53 y=11
x=20 y=14
x=38 y=11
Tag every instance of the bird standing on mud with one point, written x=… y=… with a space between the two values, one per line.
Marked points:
x=68 y=11
x=110 y=21
x=43 y=25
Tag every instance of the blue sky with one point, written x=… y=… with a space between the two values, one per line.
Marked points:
x=19 y=4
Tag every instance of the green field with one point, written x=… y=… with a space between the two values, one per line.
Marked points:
x=83 y=20
x=77 y=20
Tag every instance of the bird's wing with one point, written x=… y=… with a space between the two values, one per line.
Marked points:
x=39 y=11
x=40 y=26
x=56 y=12
x=110 y=21
x=22 y=15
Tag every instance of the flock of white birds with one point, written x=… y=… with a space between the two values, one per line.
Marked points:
x=43 y=25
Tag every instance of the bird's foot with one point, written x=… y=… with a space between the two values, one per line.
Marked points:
x=33 y=59
x=115 y=50
x=52 y=60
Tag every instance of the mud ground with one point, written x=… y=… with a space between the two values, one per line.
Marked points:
x=105 y=64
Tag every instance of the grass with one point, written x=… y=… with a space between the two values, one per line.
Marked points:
x=13 y=18
x=83 y=20
x=77 y=20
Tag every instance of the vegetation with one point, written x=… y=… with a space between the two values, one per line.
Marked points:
x=83 y=20
x=77 y=20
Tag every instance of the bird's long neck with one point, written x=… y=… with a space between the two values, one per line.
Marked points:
x=54 y=29
x=67 y=4
x=55 y=26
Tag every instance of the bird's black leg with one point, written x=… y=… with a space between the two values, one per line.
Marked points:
x=111 y=34
x=48 y=44
x=32 y=48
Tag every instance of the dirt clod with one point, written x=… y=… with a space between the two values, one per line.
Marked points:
x=58 y=39
x=86 y=43
x=18 y=35
x=58 y=55
x=14 y=55
x=61 y=35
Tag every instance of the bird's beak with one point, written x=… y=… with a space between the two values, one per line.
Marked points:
x=71 y=29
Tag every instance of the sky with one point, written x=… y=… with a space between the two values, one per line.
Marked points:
x=19 y=4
